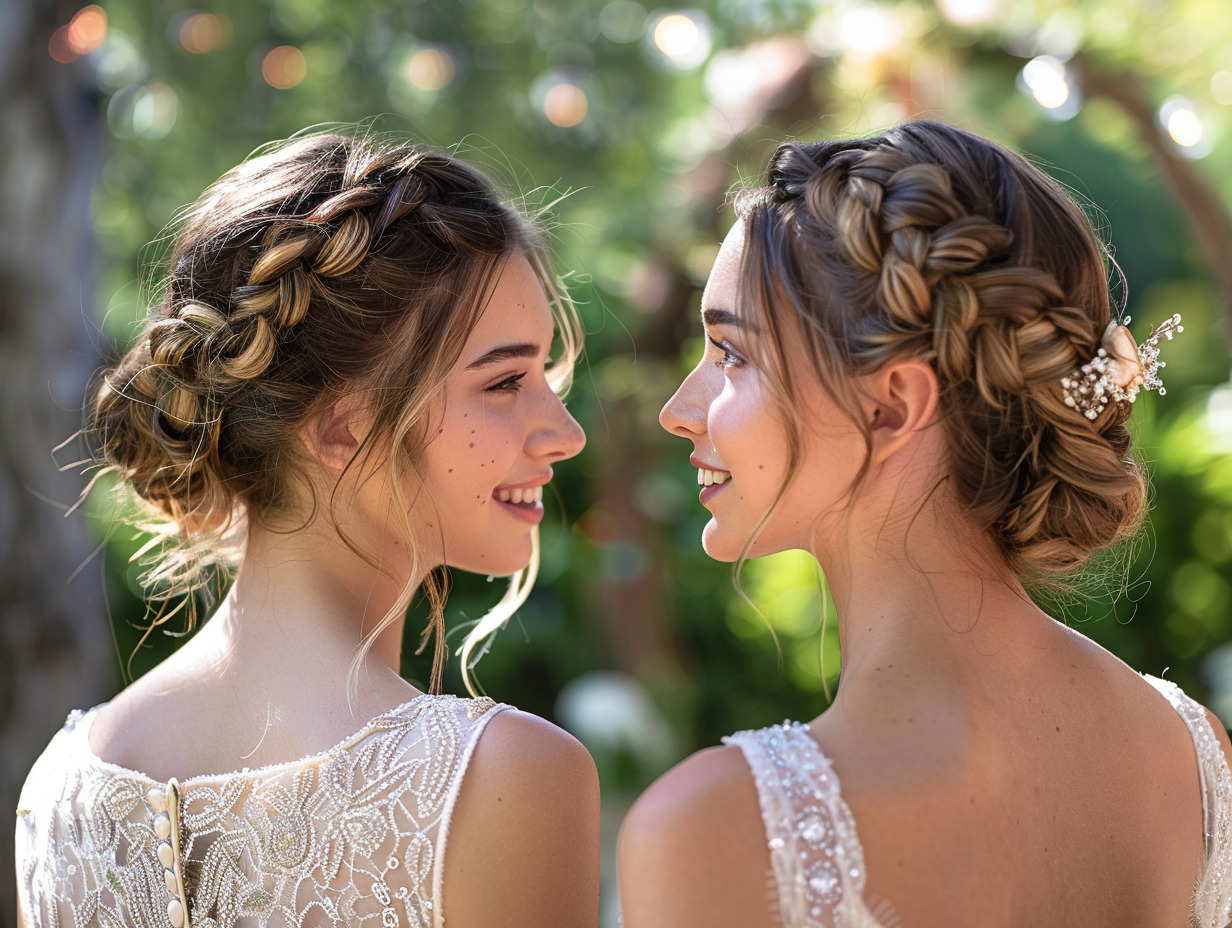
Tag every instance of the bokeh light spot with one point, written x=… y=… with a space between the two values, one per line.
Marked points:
x=1047 y=80
x=970 y=14
x=431 y=69
x=869 y=30
x=623 y=21
x=148 y=111
x=87 y=29
x=682 y=38
x=203 y=32
x=1179 y=118
x=84 y=33
x=284 y=67
x=565 y=105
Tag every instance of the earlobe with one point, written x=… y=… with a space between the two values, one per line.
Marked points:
x=905 y=394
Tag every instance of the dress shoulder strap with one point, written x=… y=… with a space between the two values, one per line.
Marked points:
x=1212 y=903
x=472 y=717
x=816 y=859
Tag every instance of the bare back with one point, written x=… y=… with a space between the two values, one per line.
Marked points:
x=1072 y=797
x=1067 y=793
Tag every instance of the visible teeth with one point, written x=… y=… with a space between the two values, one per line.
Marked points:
x=708 y=478
x=523 y=496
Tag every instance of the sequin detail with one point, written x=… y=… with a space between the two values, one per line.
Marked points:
x=815 y=855
x=1212 y=902
x=352 y=836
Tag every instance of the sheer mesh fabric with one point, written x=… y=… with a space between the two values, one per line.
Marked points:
x=816 y=859
x=1212 y=902
x=817 y=862
x=354 y=836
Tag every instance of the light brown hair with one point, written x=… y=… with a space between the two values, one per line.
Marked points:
x=931 y=242
x=327 y=265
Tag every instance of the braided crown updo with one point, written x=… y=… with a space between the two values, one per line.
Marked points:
x=328 y=264
x=934 y=243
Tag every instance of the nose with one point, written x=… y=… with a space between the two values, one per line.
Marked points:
x=685 y=413
x=558 y=436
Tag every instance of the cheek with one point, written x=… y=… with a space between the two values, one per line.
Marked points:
x=744 y=428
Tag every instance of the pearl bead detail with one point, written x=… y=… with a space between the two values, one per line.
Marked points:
x=165 y=804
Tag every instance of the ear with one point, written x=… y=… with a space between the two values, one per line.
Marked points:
x=904 y=395
x=334 y=435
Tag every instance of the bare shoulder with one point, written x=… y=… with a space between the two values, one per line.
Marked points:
x=692 y=849
x=1221 y=734
x=523 y=844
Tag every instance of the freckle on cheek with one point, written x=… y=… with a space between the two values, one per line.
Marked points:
x=451 y=470
x=472 y=445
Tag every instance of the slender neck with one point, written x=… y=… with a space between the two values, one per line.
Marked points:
x=915 y=585
x=305 y=600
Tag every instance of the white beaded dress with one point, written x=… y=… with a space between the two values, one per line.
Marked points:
x=817 y=862
x=354 y=836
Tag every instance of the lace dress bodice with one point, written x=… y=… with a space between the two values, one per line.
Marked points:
x=354 y=836
x=817 y=862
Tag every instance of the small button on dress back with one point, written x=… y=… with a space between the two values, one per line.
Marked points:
x=175 y=913
x=162 y=826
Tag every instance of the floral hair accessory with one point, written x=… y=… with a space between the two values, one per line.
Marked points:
x=1119 y=369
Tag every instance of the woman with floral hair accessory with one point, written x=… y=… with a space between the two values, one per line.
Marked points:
x=347 y=385
x=912 y=372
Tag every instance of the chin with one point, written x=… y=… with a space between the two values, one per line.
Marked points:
x=502 y=563
x=717 y=547
x=724 y=548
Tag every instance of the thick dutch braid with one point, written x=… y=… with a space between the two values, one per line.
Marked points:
x=933 y=243
x=328 y=265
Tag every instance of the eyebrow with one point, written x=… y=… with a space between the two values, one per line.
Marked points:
x=504 y=353
x=715 y=316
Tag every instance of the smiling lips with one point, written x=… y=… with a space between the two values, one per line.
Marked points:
x=524 y=502
x=520 y=496
x=708 y=478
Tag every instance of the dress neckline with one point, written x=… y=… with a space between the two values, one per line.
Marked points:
x=79 y=724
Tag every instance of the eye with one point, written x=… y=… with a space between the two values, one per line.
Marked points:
x=510 y=384
x=729 y=357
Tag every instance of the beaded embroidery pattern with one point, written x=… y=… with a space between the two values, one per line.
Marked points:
x=353 y=836
x=1212 y=902
x=815 y=854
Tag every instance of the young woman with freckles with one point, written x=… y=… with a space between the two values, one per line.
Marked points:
x=913 y=372
x=348 y=384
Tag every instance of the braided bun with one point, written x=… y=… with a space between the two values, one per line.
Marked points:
x=933 y=243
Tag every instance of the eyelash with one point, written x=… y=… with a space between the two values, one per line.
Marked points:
x=729 y=359
x=508 y=385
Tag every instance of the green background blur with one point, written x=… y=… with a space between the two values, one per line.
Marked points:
x=645 y=117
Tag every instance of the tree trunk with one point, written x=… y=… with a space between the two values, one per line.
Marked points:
x=55 y=649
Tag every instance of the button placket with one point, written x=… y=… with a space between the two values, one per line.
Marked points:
x=164 y=803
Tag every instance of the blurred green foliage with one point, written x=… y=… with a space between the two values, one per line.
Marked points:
x=625 y=585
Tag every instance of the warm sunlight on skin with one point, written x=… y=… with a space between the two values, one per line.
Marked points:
x=501 y=430
x=725 y=408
